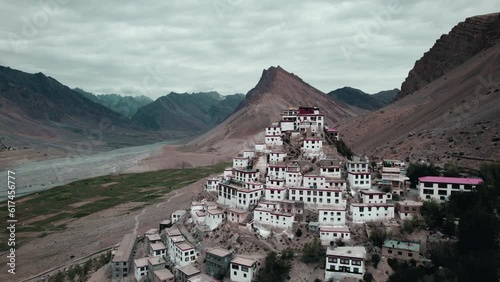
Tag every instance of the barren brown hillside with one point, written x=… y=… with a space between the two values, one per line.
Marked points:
x=457 y=114
x=464 y=41
x=276 y=90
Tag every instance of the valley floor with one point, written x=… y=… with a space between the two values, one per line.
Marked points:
x=95 y=232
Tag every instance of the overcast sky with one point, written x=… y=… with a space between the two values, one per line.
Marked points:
x=223 y=45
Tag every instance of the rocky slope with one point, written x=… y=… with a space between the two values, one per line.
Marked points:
x=454 y=118
x=276 y=90
x=360 y=99
x=451 y=50
x=196 y=112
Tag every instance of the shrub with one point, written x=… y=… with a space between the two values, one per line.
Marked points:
x=393 y=263
x=368 y=277
x=340 y=243
x=375 y=259
x=298 y=233
x=313 y=251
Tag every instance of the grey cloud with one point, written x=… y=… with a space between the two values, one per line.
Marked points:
x=185 y=46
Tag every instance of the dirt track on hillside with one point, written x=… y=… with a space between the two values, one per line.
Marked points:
x=92 y=233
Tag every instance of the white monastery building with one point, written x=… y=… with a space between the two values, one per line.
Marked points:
x=440 y=188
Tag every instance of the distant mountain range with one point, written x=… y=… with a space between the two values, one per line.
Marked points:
x=38 y=111
x=360 y=99
x=127 y=106
x=195 y=112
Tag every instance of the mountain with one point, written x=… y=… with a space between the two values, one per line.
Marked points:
x=196 y=112
x=276 y=90
x=356 y=98
x=88 y=95
x=386 y=96
x=127 y=106
x=453 y=118
x=44 y=98
x=37 y=110
x=451 y=50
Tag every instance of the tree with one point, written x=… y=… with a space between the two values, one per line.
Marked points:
x=490 y=173
x=343 y=149
x=375 y=259
x=451 y=170
x=395 y=197
x=432 y=213
x=276 y=269
x=478 y=231
x=416 y=170
x=339 y=242
x=287 y=254
x=368 y=277
x=449 y=225
x=298 y=233
x=313 y=251
x=59 y=277
x=378 y=236
x=409 y=225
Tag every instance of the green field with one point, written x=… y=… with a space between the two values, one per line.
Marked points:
x=46 y=211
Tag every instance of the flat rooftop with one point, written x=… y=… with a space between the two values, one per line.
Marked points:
x=156 y=260
x=163 y=274
x=393 y=244
x=410 y=203
x=157 y=246
x=173 y=231
x=202 y=277
x=141 y=262
x=343 y=229
x=372 y=192
x=189 y=270
x=368 y=205
x=354 y=252
x=179 y=212
x=153 y=237
x=124 y=251
x=177 y=239
x=184 y=246
x=243 y=261
x=215 y=211
x=451 y=180
x=219 y=252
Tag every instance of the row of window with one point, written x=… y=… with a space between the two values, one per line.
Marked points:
x=328 y=200
x=346 y=261
x=362 y=209
x=316 y=193
x=400 y=253
x=332 y=219
x=446 y=185
x=331 y=213
x=237 y=267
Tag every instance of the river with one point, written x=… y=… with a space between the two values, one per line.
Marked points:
x=42 y=175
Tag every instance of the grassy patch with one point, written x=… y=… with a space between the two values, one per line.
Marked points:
x=88 y=196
